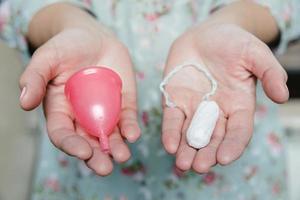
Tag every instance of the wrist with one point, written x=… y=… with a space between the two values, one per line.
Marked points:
x=59 y=17
x=249 y=16
x=232 y=14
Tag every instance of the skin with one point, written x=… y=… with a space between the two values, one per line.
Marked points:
x=63 y=49
x=243 y=58
x=235 y=66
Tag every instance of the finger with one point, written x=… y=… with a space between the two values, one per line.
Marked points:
x=185 y=154
x=173 y=119
x=207 y=156
x=272 y=75
x=128 y=119
x=92 y=140
x=238 y=134
x=62 y=135
x=118 y=149
x=100 y=162
x=36 y=76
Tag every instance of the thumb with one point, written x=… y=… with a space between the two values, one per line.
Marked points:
x=269 y=71
x=34 y=80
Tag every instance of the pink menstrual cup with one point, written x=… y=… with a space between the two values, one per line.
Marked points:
x=95 y=97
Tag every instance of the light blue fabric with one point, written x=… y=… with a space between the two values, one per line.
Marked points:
x=148 y=28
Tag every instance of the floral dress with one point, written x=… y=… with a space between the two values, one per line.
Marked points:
x=148 y=28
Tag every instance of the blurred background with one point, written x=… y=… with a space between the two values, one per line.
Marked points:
x=19 y=136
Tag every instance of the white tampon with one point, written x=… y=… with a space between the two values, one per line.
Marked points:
x=206 y=116
x=203 y=124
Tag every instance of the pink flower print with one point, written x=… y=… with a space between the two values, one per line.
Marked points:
x=274 y=144
x=52 y=183
x=140 y=75
x=4 y=14
x=135 y=168
x=88 y=2
x=287 y=12
x=276 y=188
x=122 y=197
x=261 y=110
x=63 y=161
x=108 y=198
x=250 y=171
x=151 y=17
x=209 y=178
x=2 y=22
x=145 y=118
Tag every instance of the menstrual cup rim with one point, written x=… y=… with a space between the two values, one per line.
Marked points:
x=103 y=67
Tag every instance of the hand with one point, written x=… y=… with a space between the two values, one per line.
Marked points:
x=45 y=77
x=236 y=59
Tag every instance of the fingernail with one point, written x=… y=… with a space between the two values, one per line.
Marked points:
x=130 y=136
x=23 y=93
x=226 y=159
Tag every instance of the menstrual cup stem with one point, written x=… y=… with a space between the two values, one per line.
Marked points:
x=104 y=145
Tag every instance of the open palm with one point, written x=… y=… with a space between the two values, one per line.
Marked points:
x=236 y=59
x=45 y=77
